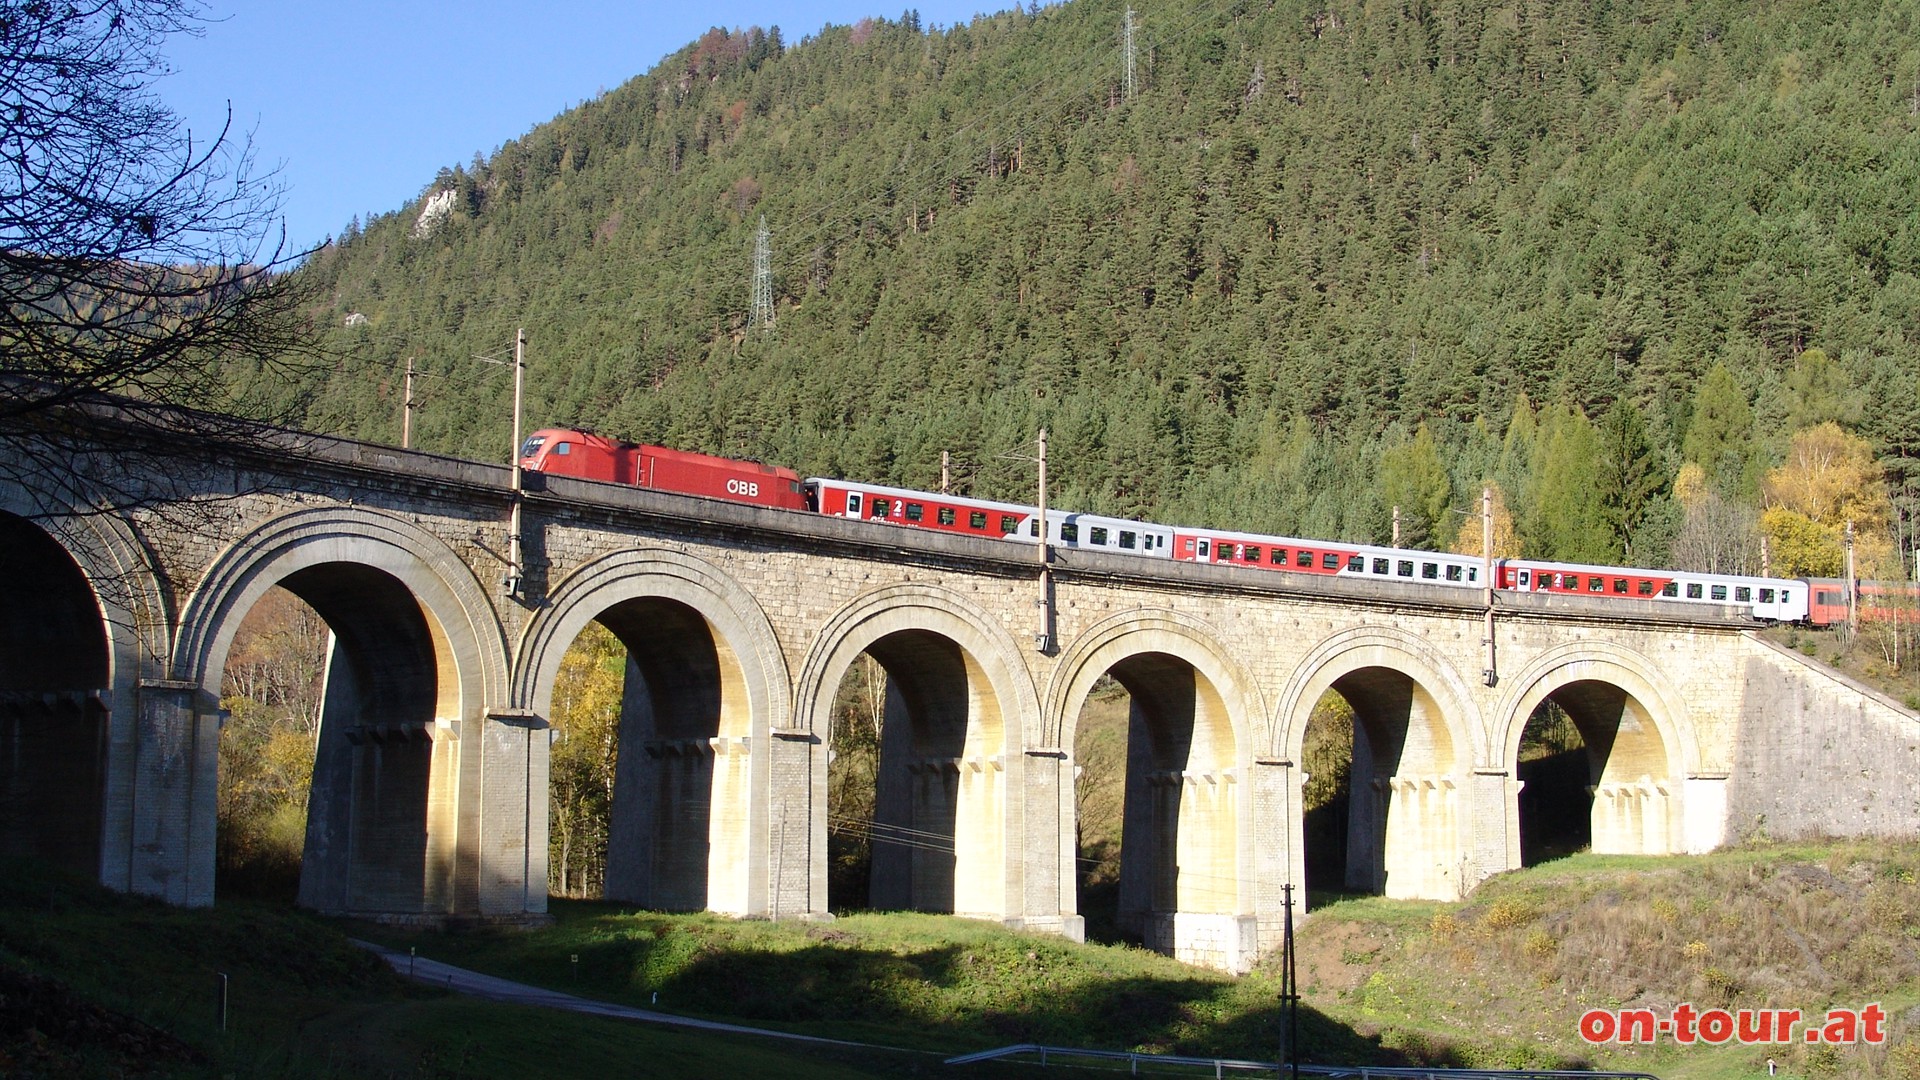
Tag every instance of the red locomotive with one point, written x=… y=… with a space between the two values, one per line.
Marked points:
x=566 y=452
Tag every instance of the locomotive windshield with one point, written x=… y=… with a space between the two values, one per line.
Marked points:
x=532 y=445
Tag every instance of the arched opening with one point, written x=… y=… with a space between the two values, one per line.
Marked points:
x=1326 y=756
x=53 y=722
x=271 y=692
x=934 y=825
x=667 y=727
x=1611 y=769
x=380 y=823
x=1381 y=803
x=1178 y=885
x=1099 y=807
x=1556 y=775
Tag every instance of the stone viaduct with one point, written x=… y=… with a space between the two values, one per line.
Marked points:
x=430 y=792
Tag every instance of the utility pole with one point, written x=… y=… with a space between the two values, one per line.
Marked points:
x=1396 y=526
x=1853 y=599
x=513 y=579
x=406 y=411
x=945 y=461
x=1128 y=84
x=1492 y=673
x=762 y=317
x=1043 y=641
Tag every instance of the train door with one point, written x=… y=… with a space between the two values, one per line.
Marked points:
x=853 y=504
x=1203 y=551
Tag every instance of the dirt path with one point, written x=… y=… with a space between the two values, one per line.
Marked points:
x=460 y=980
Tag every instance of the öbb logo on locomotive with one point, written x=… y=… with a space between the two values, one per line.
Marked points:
x=586 y=455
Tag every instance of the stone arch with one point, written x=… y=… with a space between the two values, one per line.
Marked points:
x=1408 y=827
x=396 y=814
x=70 y=720
x=943 y=655
x=674 y=853
x=1634 y=725
x=1187 y=865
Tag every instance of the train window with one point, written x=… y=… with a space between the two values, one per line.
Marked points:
x=945 y=515
x=1719 y=592
x=915 y=511
x=1186 y=545
x=1766 y=596
x=1097 y=535
x=1223 y=551
x=1620 y=585
x=1473 y=573
x=1570 y=581
x=1693 y=590
x=1128 y=540
x=1743 y=594
x=1279 y=556
x=1356 y=564
x=1644 y=587
x=1453 y=573
x=1430 y=571
x=1070 y=533
x=1303 y=558
x=1253 y=553
x=1671 y=588
x=977 y=519
x=880 y=507
x=563 y=449
x=1379 y=566
x=1596 y=584
x=1009 y=524
x=1827 y=596
x=1329 y=560
x=1405 y=569
x=1033 y=527
x=1524 y=575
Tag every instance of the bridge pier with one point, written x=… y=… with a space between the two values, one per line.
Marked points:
x=175 y=791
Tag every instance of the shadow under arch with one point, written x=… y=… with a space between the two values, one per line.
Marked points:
x=706 y=684
x=959 y=704
x=1186 y=872
x=54 y=679
x=73 y=649
x=394 y=812
x=1637 y=755
x=1407 y=820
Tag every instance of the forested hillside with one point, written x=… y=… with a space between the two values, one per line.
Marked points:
x=1651 y=268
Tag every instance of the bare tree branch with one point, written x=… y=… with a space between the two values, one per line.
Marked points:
x=134 y=259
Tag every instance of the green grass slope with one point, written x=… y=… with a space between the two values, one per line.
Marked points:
x=98 y=985
x=94 y=984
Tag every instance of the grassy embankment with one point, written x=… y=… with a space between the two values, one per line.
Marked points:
x=1498 y=980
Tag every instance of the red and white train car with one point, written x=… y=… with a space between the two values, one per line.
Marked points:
x=1326 y=557
x=1773 y=599
x=983 y=517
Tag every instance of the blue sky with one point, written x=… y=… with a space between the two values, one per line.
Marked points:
x=359 y=104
